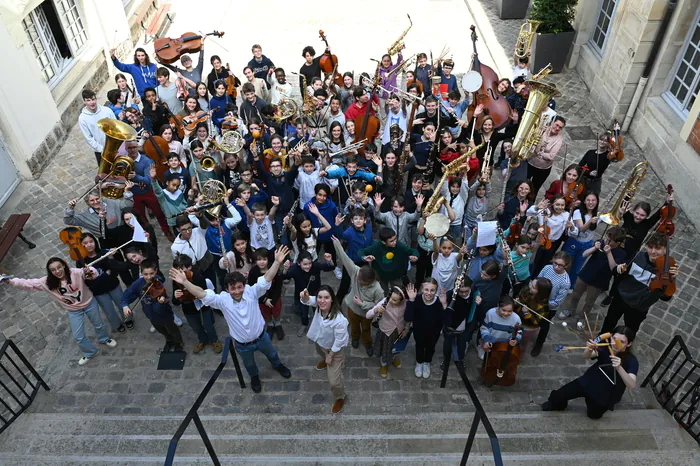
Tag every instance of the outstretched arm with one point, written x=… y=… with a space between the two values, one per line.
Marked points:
x=179 y=276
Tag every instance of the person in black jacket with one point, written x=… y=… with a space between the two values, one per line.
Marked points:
x=260 y=64
x=454 y=324
x=594 y=164
x=270 y=302
x=105 y=285
x=281 y=184
x=200 y=317
x=426 y=315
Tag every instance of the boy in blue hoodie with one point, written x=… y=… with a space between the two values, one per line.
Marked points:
x=329 y=211
x=143 y=72
x=357 y=236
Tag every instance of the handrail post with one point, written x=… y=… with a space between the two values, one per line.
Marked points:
x=205 y=439
x=29 y=366
x=470 y=439
x=236 y=364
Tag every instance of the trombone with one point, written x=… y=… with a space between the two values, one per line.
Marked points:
x=349 y=148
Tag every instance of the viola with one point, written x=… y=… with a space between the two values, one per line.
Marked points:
x=329 y=62
x=575 y=190
x=156 y=148
x=668 y=211
x=73 y=238
x=192 y=121
x=501 y=365
x=515 y=231
x=231 y=79
x=170 y=50
x=616 y=154
x=495 y=105
x=663 y=281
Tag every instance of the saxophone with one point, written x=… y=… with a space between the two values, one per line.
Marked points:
x=308 y=106
x=398 y=44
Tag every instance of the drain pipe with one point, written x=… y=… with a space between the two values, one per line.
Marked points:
x=642 y=84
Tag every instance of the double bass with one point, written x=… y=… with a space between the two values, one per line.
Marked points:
x=369 y=126
x=170 y=50
x=329 y=62
x=495 y=105
x=501 y=363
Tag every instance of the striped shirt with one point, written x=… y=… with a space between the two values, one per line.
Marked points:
x=560 y=286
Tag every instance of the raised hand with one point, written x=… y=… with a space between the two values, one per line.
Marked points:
x=313 y=208
x=339 y=219
x=275 y=200
x=411 y=292
x=281 y=253
x=178 y=276
x=368 y=258
x=419 y=200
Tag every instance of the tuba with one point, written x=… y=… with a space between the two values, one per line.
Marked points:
x=438 y=224
x=398 y=44
x=623 y=201
x=531 y=128
x=110 y=165
x=524 y=41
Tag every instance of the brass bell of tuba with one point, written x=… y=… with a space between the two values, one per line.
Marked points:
x=639 y=172
x=531 y=128
x=122 y=166
x=116 y=132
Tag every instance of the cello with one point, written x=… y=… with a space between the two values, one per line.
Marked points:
x=501 y=363
x=369 y=128
x=170 y=50
x=495 y=105
x=329 y=62
x=156 y=148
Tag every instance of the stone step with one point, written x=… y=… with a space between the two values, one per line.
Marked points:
x=638 y=436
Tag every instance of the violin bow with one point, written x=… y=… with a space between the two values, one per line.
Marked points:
x=143 y=295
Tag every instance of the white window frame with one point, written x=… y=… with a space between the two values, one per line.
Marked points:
x=72 y=23
x=594 y=45
x=669 y=97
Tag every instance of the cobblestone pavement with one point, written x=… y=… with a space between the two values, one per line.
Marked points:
x=124 y=379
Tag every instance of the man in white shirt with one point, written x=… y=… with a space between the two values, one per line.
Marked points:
x=239 y=304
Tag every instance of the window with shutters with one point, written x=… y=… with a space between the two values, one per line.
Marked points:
x=603 y=24
x=685 y=82
x=56 y=33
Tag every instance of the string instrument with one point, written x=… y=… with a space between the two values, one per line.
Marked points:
x=155 y=290
x=156 y=148
x=501 y=365
x=181 y=87
x=514 y=232
x=616 y=154
x=178 y=124
x=170 y=50
x=495 y=105
x=575 y=190
x=231 y=84
x=329 y=62
x=192 y=121
x=229 y=122
x=668 y=211
x=370 y=124
x=186 y=295
x=545 y=241
x=73 y=237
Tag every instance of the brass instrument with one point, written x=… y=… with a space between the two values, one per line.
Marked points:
x=486 y=166
x=530 y=130
x=623 y=201
x=403 y=95
x=395 y=135
x=286 y=109
x=300 y=147
x=208 y=163
x=308 y=106
x=525 y=37
x=398 y=44
x=402 y=67
x=438 y=224
x=349 y=148
x=214 y=191
x=231 y=142
x=543 y=73
x=111 y=165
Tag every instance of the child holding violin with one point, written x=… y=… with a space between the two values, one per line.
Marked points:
x=585 y=218
x=553 y=221
x=645 y=279
x=569 y=185
x=149 y=290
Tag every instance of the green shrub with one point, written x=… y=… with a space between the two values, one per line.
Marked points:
x=556 y=15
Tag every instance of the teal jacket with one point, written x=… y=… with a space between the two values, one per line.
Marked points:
x=169 y=205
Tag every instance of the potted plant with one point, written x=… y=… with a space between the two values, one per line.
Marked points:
x=512 y=9
x=555 y=34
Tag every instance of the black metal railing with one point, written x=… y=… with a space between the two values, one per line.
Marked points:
x=677 y=385
x=19 y=384
x=479 y=417
x=192 y=414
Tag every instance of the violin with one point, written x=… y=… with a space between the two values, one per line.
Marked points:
x=178 y=124
x=170 y=50
x=73 y=238
x=667 y=212
x=663 y=281
x=191 y=122
x=575 y=190
x=186 y=295
x=616 y=154
x=156 y=148
x=501 y=365
x=156 y=289
x=515 y=231
x=545 y=241
x=231 y=79
x=181 y=87
x=495 y=105
x=329 y=62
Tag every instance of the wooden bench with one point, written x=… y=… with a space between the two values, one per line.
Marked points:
x=158 y=18
x=11 y=230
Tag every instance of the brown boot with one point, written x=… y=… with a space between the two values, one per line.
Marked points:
x=321 y=365
x=198 y=348
x=338 y=406
x=217 y=347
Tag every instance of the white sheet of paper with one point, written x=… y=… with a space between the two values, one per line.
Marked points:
x=486 y=233
x=139 y=234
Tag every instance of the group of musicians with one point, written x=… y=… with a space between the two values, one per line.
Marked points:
x=426 y=148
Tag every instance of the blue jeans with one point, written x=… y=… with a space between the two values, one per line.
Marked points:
x=109 y=303
x=575 y=250
x=265 y=346
x=303 y=311
x=77 y=325
x=203 y=325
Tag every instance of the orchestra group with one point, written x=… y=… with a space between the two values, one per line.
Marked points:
x=382 y=179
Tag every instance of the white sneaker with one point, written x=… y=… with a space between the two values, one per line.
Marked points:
x=152 y=329
x=419 y=370
x=426 y=370
x=564 y=313
x=338 y=273
x=84 y=360
x=111 y=343
x=177 y=320
x=480 y=352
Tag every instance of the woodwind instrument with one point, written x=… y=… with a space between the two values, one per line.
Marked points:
x=505 y=182
x=375 y=322
x=405 y=154
x=398 y=44
x=221 y=243
x=290 y=215
x=466 y=261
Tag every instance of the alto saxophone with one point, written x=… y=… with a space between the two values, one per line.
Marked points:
x=398 y=45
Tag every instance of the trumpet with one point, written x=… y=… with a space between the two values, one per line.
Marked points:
x=543 y=73
x=403 y=95
x=398 y=44
x=525 y=37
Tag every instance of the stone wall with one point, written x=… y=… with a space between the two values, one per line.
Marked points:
x=694 y=138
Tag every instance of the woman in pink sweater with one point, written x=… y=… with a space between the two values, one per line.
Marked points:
x=67 y=287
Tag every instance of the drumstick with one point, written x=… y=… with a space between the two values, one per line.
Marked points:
x=562 y=347
x=588 y=325
x=595 y=325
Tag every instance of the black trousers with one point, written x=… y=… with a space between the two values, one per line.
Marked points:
x=450 y=339
x=170 y=331
x=619 y=308
x=425 y=344
x=544 y=257
x=98 y=157
x=425 y=265
x=544 y=329
x=538 y=176
x=559 y=399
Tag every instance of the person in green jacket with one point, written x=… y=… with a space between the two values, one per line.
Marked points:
x=389 y=258
x=171 y=200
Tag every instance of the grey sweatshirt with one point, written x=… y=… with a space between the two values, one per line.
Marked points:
x=369 y=295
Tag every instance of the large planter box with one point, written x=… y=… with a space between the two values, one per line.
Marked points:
x=551 y=48
x=512 y=9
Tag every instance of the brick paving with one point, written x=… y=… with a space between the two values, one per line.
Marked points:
x=124 y=379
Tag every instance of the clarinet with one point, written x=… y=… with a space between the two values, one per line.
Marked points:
x=375 y=324
x=221 y=242
x=505 y=183
x=460 y=279
x=284 y=227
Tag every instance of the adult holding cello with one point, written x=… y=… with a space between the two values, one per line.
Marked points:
x=191 y=74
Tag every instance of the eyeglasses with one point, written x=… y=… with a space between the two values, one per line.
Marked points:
x=559 y=264
x=186 y=229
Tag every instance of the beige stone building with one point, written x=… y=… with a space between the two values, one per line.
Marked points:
x=52 y=50
x=641 y=61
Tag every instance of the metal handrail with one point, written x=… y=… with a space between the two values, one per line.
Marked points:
x=679 y=375
x=192 y=414
x=23 y=398
x=479 y=416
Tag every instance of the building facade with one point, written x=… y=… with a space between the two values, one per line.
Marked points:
x=617 y=41
x=53 y=49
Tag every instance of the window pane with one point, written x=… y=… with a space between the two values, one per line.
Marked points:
x=72 y=23
x=603 y=22
x=42 y=44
